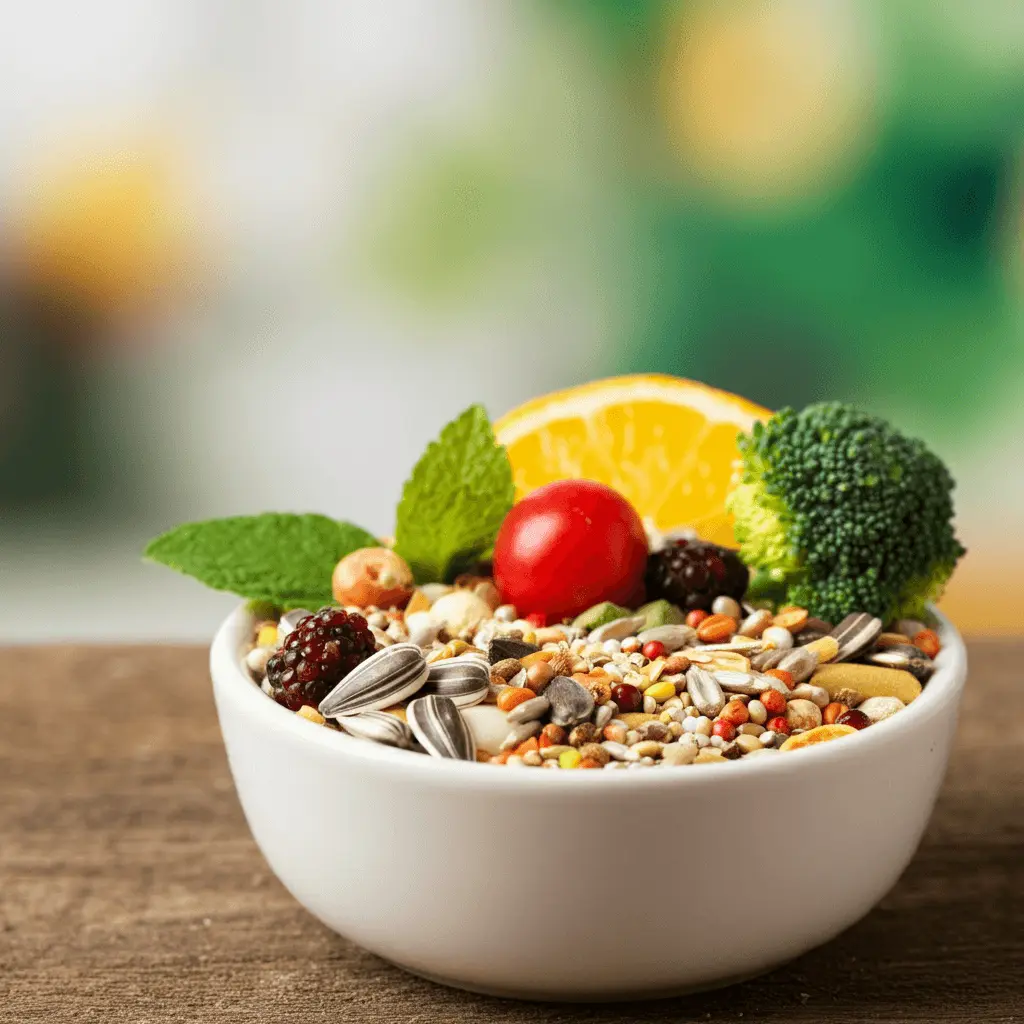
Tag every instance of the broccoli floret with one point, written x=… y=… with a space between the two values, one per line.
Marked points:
x=839 y=512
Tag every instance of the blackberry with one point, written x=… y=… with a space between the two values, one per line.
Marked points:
x=321 y=650
x=692 y=573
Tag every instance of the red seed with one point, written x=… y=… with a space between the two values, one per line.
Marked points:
x=774 y=702
x=653 y=649
x=735 y=712
x=778 y=724
x=723 y=728
x=853 y=717
x=537 y=619
x=927 y=641
x=627 y=697
x=696 y=617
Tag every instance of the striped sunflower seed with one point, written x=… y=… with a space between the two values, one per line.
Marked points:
x=465 y=680
x=856 y=634
x=378 y=726
x=436 y=722
x=385 y=678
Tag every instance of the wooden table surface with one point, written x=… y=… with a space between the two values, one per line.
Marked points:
x=130 y=889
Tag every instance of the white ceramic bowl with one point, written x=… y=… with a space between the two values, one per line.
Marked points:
x=584 y=885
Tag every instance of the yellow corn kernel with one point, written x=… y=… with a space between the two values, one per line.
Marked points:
x=661 y=692
x=267 y=636
x=569 y=758
x=311 y=715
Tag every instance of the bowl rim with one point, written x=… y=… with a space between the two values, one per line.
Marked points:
x=233 y=683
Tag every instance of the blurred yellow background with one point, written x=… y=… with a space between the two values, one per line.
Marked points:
x=253 y=256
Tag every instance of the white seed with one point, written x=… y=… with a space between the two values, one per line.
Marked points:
x=529 y=710
x=506 y=613
x=619 y=751
x=256 y=660
x=815 y=694
x=650 y=705
x=758 y=712
x=766 y=739
x=780 y=638
x=880 y=708
x=724 y=605
x=611 y=646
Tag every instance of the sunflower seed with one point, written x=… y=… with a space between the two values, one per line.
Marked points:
x=571 y=703
x=520 y=734
x=378 y=726
x=673 y=637
x=602 y=716
x=437 y=724
x=800 y=663
x=529 y=711
x=502 y=647
x=617 y=629
x=465 y=679
x=905 y=656
x=385 y=678
x=738 y=644
x=290 y=620
x=739 y=682
x=856 y=633
x=704 y=691
x=766 y=660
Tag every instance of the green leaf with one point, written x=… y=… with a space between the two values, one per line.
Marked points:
x=279 y=557
x=455 y=500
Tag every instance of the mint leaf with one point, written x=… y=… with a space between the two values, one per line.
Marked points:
x=279 y=557
x=455 y=500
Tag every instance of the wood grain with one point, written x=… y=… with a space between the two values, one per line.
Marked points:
x=131 y=891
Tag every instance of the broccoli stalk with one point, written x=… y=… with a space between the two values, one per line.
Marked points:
x=838 y=512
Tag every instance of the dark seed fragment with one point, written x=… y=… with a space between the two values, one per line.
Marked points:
x=503 y=647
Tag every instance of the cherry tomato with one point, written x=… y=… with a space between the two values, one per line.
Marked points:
x=568 y=546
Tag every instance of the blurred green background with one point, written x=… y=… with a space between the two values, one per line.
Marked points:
x=254 y=255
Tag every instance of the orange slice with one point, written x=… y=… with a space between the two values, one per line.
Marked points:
x=666 y=444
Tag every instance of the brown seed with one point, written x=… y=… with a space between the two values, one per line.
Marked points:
x=653 y=731
x=851 y=698
x=562 y=662
x=586 y=732
x=676 y=663
x=552 y=735
x=595 y=752
x=715 y=629
x=599 y=690
x=891 y=640
x=505 y=669
x=539 y=675
x=615 y=733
